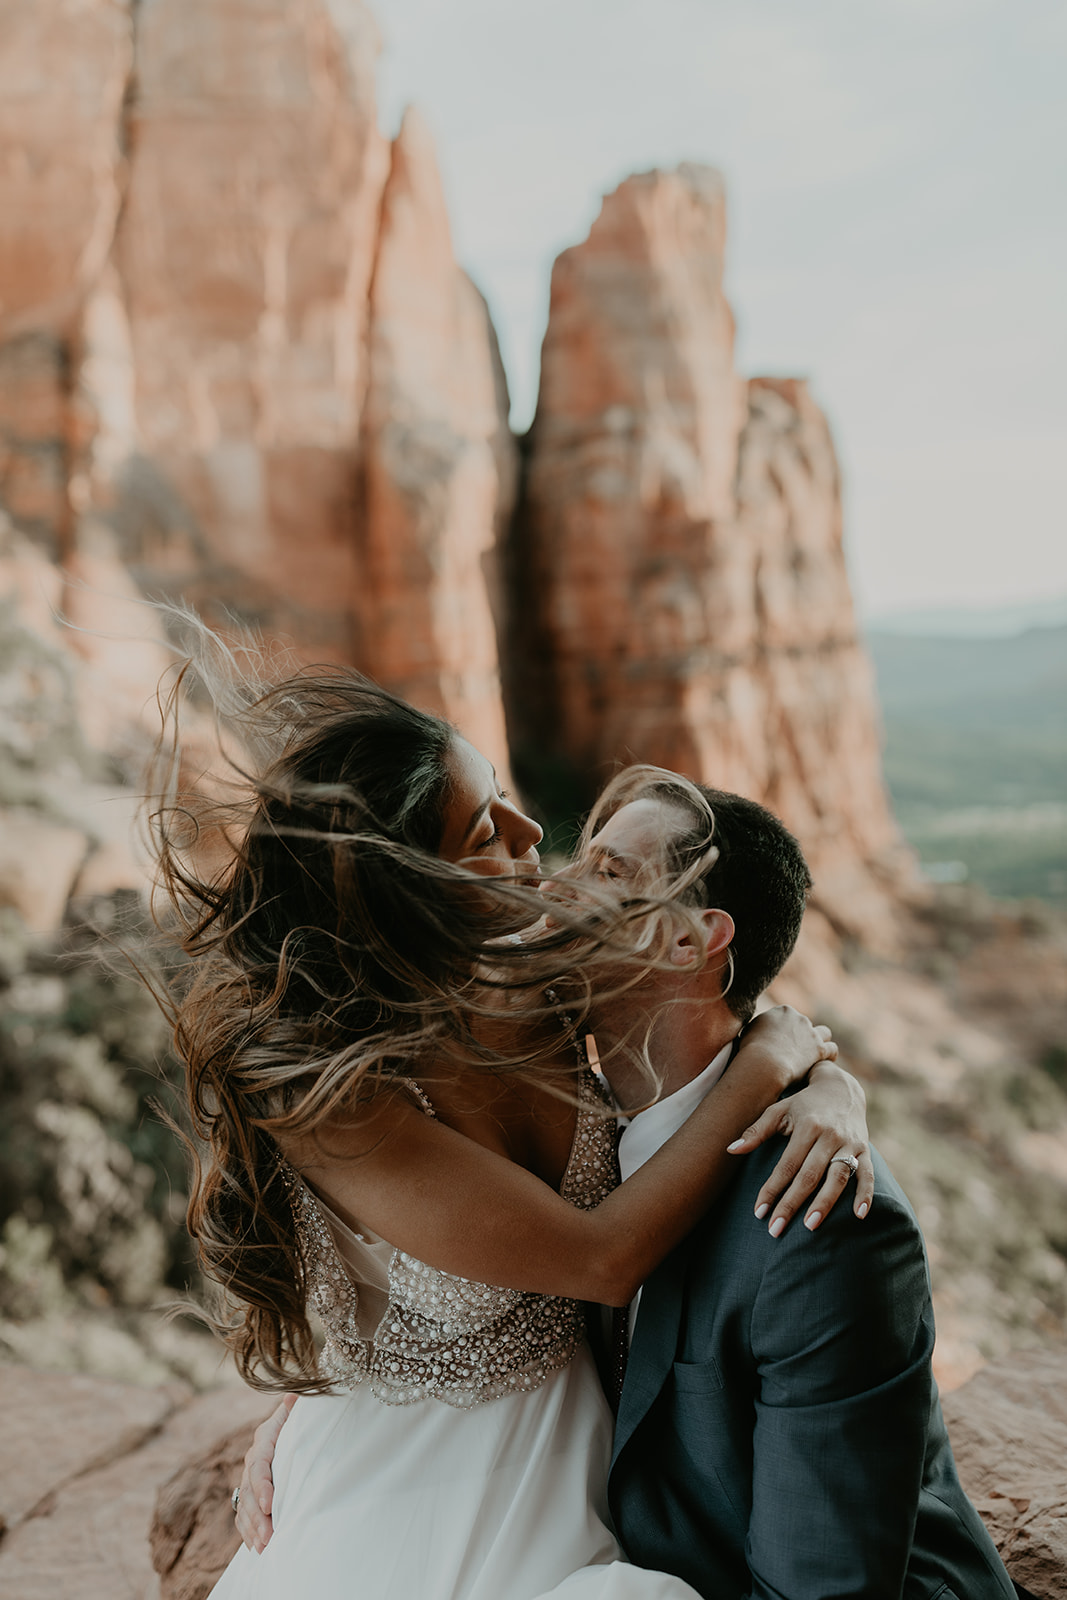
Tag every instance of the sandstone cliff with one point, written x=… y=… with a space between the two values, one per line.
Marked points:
x=677 y=565
x=238 y=360
x=439 y=463
x=242 y=265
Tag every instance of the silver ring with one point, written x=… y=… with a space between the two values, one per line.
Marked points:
x=851 y=1162
x=235 y=1499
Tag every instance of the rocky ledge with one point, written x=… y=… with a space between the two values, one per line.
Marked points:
x=100 y=1483
x=82 y=1461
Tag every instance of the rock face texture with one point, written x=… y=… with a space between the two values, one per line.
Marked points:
x=63 y=74
x=678 y=552
x=321 y=432
x=238 y=363
x=193 y=1535
x=244 y=259
x=439 y=463
x=1009 y=1435
x=80 y=1466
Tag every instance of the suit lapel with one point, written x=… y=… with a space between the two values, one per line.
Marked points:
x=656 y=1333
x=655 y=1341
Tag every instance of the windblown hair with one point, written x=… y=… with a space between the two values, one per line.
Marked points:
x=755 y=870
x=330 y=950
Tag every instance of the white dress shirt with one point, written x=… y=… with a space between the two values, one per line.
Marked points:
x=648 y=1131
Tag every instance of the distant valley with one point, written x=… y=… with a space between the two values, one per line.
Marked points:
x=976 y=755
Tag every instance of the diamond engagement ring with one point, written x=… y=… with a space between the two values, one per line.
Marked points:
x=851 y=1162
x=235 y=1498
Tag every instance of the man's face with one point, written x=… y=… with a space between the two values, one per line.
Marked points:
x=629 y=853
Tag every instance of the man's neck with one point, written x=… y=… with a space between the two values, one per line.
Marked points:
x=682 y=1038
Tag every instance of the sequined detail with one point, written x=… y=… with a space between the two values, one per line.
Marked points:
x=417 y=1092
x=441 y=1336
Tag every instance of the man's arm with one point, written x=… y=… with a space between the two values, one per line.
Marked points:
x=842 y=1334
x=257 y=1485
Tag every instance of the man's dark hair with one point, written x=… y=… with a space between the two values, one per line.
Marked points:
x=760 y=878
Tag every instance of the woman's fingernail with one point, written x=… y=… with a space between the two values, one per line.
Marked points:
x=761 y=1211
x=776 y=1227
x=813 y=1219
x=736 y=1144
x=864 y=1208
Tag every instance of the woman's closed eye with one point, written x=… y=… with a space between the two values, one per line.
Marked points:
x=495 y=836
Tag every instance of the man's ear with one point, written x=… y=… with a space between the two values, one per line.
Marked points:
x=718 y=929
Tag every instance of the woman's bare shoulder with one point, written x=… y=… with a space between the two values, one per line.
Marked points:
x=355 y=1131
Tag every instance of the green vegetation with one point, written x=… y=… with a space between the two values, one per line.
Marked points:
x=92 y=1181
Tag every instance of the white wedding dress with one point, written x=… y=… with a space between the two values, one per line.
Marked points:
x=464 y=1452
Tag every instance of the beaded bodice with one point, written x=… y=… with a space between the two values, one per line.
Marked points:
x=441 y=1336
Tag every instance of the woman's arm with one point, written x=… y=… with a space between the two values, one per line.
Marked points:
x=451 y=1202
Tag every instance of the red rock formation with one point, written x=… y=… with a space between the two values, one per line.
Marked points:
x=439 y=463
x=1009 y=1434
x=193 y=1535
x=201 y=394
x=321 y=417
x=80 y=1466
x=678 y=565
x=63 y=74
x=245 y=254
x=274 y=388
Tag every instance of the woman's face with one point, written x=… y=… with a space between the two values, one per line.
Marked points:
x=482 y=828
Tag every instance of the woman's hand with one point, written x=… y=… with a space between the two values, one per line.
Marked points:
x=788 y=1039
x=256 y=1493
x=826 y=1124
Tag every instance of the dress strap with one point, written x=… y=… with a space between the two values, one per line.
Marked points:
x=577 y=1040
x=418 y=1093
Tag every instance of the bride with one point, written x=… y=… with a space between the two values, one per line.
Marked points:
x=400 y=1139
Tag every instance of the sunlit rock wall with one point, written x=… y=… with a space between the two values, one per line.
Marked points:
x=244 y=257
x=238 y=364
x=439 y=462
x=677 y=569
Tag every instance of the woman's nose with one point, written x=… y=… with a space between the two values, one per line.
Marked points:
x=528 y=835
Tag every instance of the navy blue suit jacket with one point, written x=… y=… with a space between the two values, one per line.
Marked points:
x=779 y=1434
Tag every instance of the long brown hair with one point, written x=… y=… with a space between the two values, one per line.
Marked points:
x=330 y=949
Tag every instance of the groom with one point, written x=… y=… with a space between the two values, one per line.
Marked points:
x=778 y=1432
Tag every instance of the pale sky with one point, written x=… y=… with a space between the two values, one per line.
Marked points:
x=896 y=170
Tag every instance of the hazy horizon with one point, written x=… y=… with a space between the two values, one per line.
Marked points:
x=892 y=236
x=970 y=622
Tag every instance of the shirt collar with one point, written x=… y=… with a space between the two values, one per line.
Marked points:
x=649 y=1130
